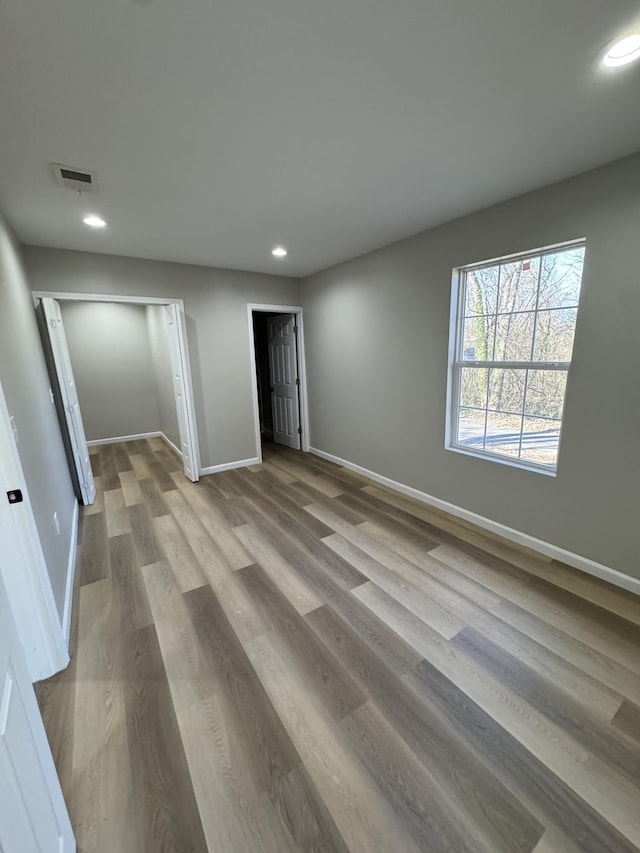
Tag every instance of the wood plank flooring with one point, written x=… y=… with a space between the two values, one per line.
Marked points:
x=293 y=658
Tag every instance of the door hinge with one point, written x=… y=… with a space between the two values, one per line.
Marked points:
x=297 y=381
x=295 y=330
x=15 y=496
x=299 y=430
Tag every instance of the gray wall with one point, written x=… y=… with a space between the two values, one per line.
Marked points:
x=26 y=387
x=377 y=332
x=113 y=368
x=161 y=361
x=216 y=310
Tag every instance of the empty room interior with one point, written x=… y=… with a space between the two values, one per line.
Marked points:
x=319 y=418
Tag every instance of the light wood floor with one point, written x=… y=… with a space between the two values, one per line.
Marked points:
x=293 y=658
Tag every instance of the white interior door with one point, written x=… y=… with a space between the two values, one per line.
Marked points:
x=182 y=390
x=64 y=371
x=283 y=369
x=28 y=587
x=33 y=815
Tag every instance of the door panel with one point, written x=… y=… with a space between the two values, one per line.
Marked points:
x=283 y=368
x=21 y=770
x=23 y=566
x=33 y=816
x=64 y=371
x=179 y=371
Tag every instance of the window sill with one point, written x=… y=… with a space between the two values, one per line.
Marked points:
x=503 y=460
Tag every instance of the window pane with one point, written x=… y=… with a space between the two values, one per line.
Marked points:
x=518 y=285
x=540 y=439
x=545 y=393
x=554 y=335
x=477 y=341
x=516 y=310
x=481 y=291
x=503 y=433
x=561 y=278
x=514 y=337
x=471 y=428
x=473 y=387
x=506 y=390
x=470 y=340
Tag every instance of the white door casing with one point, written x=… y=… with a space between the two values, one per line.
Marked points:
x=33 y=815
x=283 y=370
x=182 y=389
x=296 y=310
x=73 y=416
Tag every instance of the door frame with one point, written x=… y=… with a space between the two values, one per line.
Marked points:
x=302 y=369
x=183 y=348
x=29 y=589
x=67 y=403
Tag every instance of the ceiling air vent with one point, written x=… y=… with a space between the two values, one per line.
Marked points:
x=75 y=179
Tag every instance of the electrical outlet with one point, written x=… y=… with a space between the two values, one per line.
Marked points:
x=56 y=521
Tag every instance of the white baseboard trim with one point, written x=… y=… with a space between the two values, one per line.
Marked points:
x=170 y=444
x=142 y=435
x=118 y=438
x=228 y=466
x=71 y=571
x=598 y=570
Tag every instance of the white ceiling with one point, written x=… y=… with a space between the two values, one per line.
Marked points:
x=219 y=128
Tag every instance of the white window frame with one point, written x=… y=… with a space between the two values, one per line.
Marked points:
x=456 y=363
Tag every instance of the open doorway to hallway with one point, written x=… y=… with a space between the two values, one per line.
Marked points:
x=278 y=355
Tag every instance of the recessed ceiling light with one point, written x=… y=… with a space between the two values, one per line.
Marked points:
x=279 y=252
x=94 y=221
x=623 y=51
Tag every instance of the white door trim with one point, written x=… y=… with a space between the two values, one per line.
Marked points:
x=302 y=368
x=183 y=347
x=104 y=297
x=181 y=370
x=29 y=591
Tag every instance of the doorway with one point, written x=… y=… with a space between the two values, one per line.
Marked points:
x=178 y=390
x=277 y=353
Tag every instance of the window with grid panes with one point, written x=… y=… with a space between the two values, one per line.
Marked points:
x=513 y=323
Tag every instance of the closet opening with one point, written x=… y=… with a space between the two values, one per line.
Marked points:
x=119 y=371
